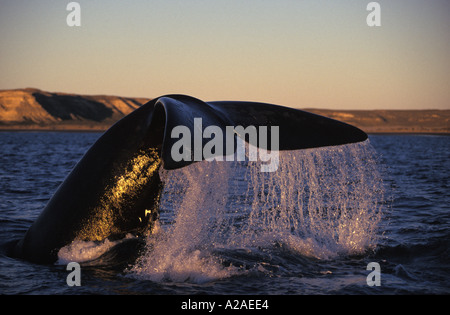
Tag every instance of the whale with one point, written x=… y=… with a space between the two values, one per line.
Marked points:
x=115 y=188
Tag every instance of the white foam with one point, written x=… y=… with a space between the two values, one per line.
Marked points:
x=171 y=259
x=83 y=251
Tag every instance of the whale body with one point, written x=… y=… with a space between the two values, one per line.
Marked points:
x=115 y=188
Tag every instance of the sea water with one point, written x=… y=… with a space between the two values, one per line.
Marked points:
x=226 y=228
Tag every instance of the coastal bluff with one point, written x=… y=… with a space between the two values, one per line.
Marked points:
x=34 y=109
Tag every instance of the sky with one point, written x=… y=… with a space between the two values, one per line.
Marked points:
x=297 y=53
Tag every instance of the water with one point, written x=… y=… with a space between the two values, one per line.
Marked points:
x=226 y=228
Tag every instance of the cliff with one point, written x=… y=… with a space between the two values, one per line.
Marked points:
x=33 y=109
x=39 y=110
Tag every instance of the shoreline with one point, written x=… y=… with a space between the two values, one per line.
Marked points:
x=103 y=128
x=37 y=110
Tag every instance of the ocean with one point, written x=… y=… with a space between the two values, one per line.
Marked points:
x=368 y=218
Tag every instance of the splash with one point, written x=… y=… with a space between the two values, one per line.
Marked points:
x=320 y=203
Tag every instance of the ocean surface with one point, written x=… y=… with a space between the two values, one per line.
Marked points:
x=312 y=227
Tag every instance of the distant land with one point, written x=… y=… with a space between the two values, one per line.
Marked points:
x=33 y=109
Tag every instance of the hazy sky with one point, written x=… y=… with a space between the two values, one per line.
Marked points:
x=298 y=53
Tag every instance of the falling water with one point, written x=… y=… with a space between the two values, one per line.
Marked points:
x=320 y=203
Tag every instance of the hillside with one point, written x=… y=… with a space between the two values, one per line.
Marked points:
x=40 y=110
x=33 y=109
x=393 y=121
